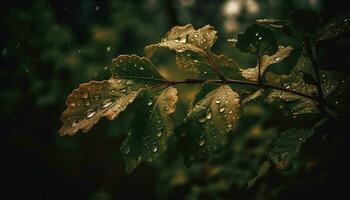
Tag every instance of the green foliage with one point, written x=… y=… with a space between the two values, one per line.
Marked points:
x=227 y=89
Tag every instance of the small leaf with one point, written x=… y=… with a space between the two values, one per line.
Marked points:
x=338 y=27
x=265 y=61
x=207 y=127
x=257 y=40
x=135 y=68
x=96 y=99
x=201 y=65
x=185 y=38
x=261 y=172
x=287 y=146
x=151 y=129
x=93 y=100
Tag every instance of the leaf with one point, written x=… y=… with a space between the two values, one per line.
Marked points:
x=136 y=69
x=257 y=40
x=94 y=100
x=185 y=38
x=201 y=65
x=298 y=104
x=151 y=129
x=207 y=127
x=338 y=27
x=261 y=172
x=287 y=146
x=265 y=61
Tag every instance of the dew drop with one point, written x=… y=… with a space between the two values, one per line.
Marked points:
x=141 y=68
x=202 y=119
x=149 y=103
x=196 y=61
x=155 y=149
x=277 y=59
x=260 y=38
x=222 y=109
x=86 y=102
x=127 y=149
x=85 y=95
x=218 y=101
x=90 y=113
x=74 y=123
x=113 y=90
x=72 y=104
x=159 y=134
x=208 y=115
x=201 y=142
x=107 y=103
x=123 y=90
x=108 y=49
x=229 y=126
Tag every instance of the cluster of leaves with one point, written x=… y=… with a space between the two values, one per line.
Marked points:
x=225 y=89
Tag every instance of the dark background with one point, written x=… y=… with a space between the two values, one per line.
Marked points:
x=49 y=47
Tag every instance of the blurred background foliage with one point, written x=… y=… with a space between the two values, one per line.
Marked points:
x=49 y=47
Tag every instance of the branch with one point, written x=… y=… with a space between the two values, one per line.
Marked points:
x=242 y=82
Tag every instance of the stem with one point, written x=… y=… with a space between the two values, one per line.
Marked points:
x=242 y=82
x=315 y=65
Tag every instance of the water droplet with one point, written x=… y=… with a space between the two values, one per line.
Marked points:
x=256 y=34
x=85 y=95
x=202 y=119
x=229 y=126
x=159 y=134
x=86 y=102
x=277 y=59
x=208 y=115
x=155 y=149
x=107 y=103
x=123 y=90
x=195 y=60
x=149 y=103
x=127 y=149
x=74 y=123
x=90 y=113
x=108 y=49
x=72 y=103
x=201 y=142
x=260 y=38
x=141 y=68
x=230 y=112
x=222 y=109
x=113 y=90
x=218 y=101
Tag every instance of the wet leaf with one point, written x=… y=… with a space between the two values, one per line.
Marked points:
x=265 y=61
x=287 y=146
x=209 y=124
x=151 y=128
x=257 y=40
x=185 y=38
x=338 y=27
x=250 y=98
x=136 y=69
x=201 y=65
x=272 y=23
x=94 y=100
